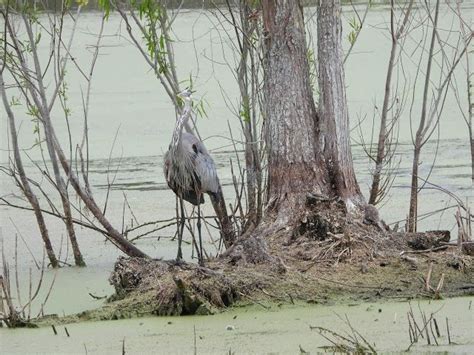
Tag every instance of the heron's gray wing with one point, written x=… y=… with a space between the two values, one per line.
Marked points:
x=205 y=168
x=187 y=190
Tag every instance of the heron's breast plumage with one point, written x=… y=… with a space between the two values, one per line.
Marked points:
x=190 y=167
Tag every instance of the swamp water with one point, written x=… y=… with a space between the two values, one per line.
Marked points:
x=253 y=329
x=127 y=100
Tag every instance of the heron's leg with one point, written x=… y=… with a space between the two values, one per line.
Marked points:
x=201 y=252
x=180 y=228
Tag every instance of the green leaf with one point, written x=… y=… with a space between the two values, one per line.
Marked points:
x=162 y=42
x=33 y=111
x=104 y=5
x=245 y=113
x=15 y=101
x=38 y=38
x=352 y=37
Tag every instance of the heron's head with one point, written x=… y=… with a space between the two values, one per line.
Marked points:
x=185 y=94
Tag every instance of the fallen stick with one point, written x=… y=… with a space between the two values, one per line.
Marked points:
x=449 y=334
x=443 y=247
x=438 y=334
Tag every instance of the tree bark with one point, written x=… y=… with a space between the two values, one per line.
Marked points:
x=307 y=151
x=333 y=110
x=26 y=188
x=225 y=224
x=413 y=210
x=295 y=166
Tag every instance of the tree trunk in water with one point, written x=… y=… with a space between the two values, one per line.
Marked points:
x=113 y=235
x=61 y=186
x=295 y=166
x=78 y=258
x=333 y=111
x=26 y=188
x=46 y=119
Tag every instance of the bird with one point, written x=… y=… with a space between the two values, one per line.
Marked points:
x=189 y=171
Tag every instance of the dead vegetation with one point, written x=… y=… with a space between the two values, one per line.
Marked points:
x=16 y=311
x=426 y=328
x=352 y=342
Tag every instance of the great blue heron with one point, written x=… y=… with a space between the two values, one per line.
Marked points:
x=189 y=170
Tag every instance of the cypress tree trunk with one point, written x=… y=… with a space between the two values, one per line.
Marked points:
x=333 y=111
x=307 y=151
x=295 y=166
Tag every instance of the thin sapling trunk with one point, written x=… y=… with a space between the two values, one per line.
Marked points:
x=380 y=160
x=25 y=184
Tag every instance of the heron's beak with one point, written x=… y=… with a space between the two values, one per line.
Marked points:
x=185 y=93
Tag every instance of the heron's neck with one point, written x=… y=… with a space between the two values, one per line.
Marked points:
x=178 y=130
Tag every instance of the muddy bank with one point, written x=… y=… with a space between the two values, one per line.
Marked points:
x=326 y=257
x=388 y=279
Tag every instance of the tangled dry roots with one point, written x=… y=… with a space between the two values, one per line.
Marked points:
x=170 y=288
x=274 y=262
x=251 y=250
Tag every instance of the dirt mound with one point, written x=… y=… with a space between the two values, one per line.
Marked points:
x=323 y=257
